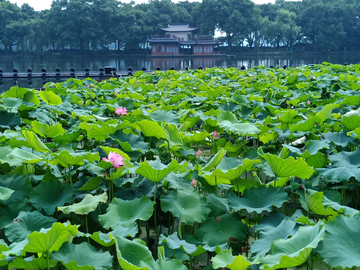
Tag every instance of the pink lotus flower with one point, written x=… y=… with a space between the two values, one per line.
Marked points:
x=198 y=153
x=121 y=111
x=116 y=93
x=216 y=135
x=115 y=159
x=250 y=75
x=308 y=102
x=193 y=183
x=314 y=78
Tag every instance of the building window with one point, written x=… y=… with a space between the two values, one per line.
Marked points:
x=163 y=48
x=158 y=48
x=167 y=49
x=200 y=49
x=154 y=49
x=211 y=49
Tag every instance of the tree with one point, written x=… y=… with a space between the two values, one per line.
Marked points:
x=231 y=17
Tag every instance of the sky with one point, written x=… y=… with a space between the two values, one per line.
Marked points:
x=45 y=4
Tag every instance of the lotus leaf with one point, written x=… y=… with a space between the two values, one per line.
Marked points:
x=25 y=223
x=50 y=195
x=227 y=260
x=188 y=206
x=155 y=171
x=82 y=257
x=49 y=240
x=340 y=248
x=258 y=199
x=295 y=251
x=88 y=204
x=126 y=212
x=216 y=232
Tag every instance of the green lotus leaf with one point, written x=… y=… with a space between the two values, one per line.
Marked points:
x=155 y=171
x=130 y=142
x=24 y=156
x=9 y=212
x=321 y=205
x=287 y=116
x=340 y=248
x=232 y=168
x=341 y=139
x=188 y=206
x=227 y=116
x=19 y=183
x=3 y=247
x=282 y=231
x=4 y=158
x=239 y=128
x=340 y=174
x=215 y=160
x=67 y=159
x=68 y=137
x=216 y=232
x=351 y=120
x=258 y=199
x=31 y=97
x=130 y=254
x=50 y=98
x=326 y=111
x=316 y=161
x=305 y=125
x=92 y=183
x=151 y=264
x=11 y=104
x=34 y=142
x=25 y=223
x=8 y=120
x=150 y=129
x=191 y=247
x=165 y=116
x=289 y=167
x=50 y=195
x=87 y=205
x=219 y=205
x=101 y=130
x=104 y=239
x=5 y=193
x=32 y=263
x=47 y=131
x=82 y=257
x=227 y=260
x=126 y=212
x=286 y=253
x=314 y=146
x=194 y=137
x=178 y=181
x=49 y=240
x=346 y=159
x=16 y=92
x=173 y=136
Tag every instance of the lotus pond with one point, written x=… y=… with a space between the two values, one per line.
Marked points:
x=200 y=169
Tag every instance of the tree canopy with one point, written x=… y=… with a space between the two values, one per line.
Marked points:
x=94 y=24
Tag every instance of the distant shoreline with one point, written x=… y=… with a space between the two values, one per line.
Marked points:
x=235 y=52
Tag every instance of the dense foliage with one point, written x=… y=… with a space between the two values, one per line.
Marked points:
x=83 y=24
x=179 y=170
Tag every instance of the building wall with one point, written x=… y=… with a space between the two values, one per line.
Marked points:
x=203 y=49
x=163 y=49
x=183 y=36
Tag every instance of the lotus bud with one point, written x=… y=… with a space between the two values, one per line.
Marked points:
x=116 y=93
x=193 y=183
x=198 y=153
x=308 y=102
x=216 y=135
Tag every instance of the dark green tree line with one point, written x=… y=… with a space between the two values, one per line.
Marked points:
x=95 y=24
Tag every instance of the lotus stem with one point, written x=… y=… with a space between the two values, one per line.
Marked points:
x=48 y=260
x=179 y=230
x=155 y=217
x=87 y=227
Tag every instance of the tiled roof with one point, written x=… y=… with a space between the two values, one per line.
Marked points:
x=178 y=28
